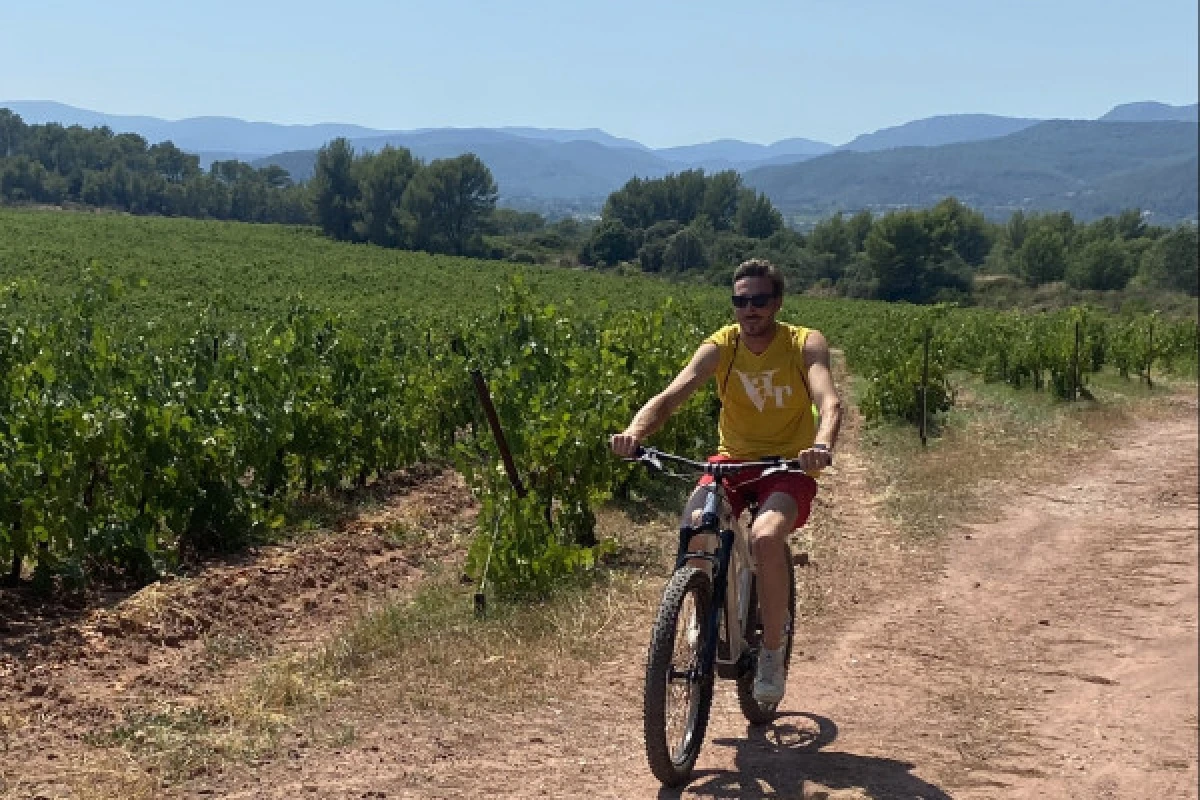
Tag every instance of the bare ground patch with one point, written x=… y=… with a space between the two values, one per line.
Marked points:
x=148 y=671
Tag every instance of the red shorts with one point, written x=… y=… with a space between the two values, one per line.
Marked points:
x=800 y=487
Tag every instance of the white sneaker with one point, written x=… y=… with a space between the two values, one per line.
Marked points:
x=770 y=681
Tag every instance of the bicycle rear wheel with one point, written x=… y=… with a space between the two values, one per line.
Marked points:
x=677 y=700
x=755 y=712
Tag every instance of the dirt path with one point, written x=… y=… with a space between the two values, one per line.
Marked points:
x=1051 y=653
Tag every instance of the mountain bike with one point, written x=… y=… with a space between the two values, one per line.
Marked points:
x=708 y=622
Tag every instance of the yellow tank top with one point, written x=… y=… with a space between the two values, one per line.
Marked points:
x=765 y=406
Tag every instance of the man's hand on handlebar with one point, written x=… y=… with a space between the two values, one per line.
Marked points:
x=815 y=458
x=624 y=445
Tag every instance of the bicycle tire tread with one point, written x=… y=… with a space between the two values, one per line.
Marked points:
x=662 y=644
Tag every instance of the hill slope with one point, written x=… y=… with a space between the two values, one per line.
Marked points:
x=1151 y=112
x=1089 y=168
x=935 y=131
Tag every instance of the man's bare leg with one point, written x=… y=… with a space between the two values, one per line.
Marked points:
x=776 y=518
x=691 y=516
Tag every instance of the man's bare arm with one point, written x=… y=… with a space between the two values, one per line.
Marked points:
x=824 y=393
x=659 y=409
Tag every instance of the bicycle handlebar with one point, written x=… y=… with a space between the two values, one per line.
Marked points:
x=718 y=469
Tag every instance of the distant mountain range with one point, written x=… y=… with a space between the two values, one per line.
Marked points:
x=524 y=168
x=992 y=162
x=1091 y=168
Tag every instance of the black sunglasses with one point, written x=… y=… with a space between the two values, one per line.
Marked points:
x=756 y=300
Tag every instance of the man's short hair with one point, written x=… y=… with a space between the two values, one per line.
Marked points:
x=760 y=268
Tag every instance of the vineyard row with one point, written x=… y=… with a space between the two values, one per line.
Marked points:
x=122 y=449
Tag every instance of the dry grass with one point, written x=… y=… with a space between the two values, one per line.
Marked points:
x=431 y=654
x=994 y=435
x=104 y=775
x=422 y=655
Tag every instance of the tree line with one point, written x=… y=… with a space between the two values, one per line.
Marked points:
x=695 y=225
x=1110 y=253
x=387 y=198
x=58 y=165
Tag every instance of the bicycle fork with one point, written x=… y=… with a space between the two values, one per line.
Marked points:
x=720 y=561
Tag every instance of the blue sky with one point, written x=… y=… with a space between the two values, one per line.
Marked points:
x=664 y=73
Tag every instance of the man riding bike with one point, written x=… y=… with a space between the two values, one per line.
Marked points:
x=780 y=372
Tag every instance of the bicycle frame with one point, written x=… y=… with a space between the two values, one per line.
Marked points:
x=714 y=569
x=732 y=554
x=733 y=572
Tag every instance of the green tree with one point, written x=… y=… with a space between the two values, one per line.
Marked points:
x=909 y=261
x=1131 y=224
x=684 y=195
x=898 y=251
x=23 y=179
x=173 y=164
x=508 y=221
x=98 y=167
x=611 y=243
x=722 y=197
x=449 y=202
x=1171 y=263
x=12 y=133
x=1101 y=264
x=1064 y=223
x=1042 y=257
x=631 y=205
x=830 y=237
x=960 y=229
x=859 y=227
x=654 y=244
x=1015 y=231
x=383 y=178
x=685 y=250
x=276 y=176
x=681 y=197
x=335 y=189
x=755 y=216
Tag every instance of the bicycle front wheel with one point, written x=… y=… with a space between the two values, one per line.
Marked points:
x=679 y=688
